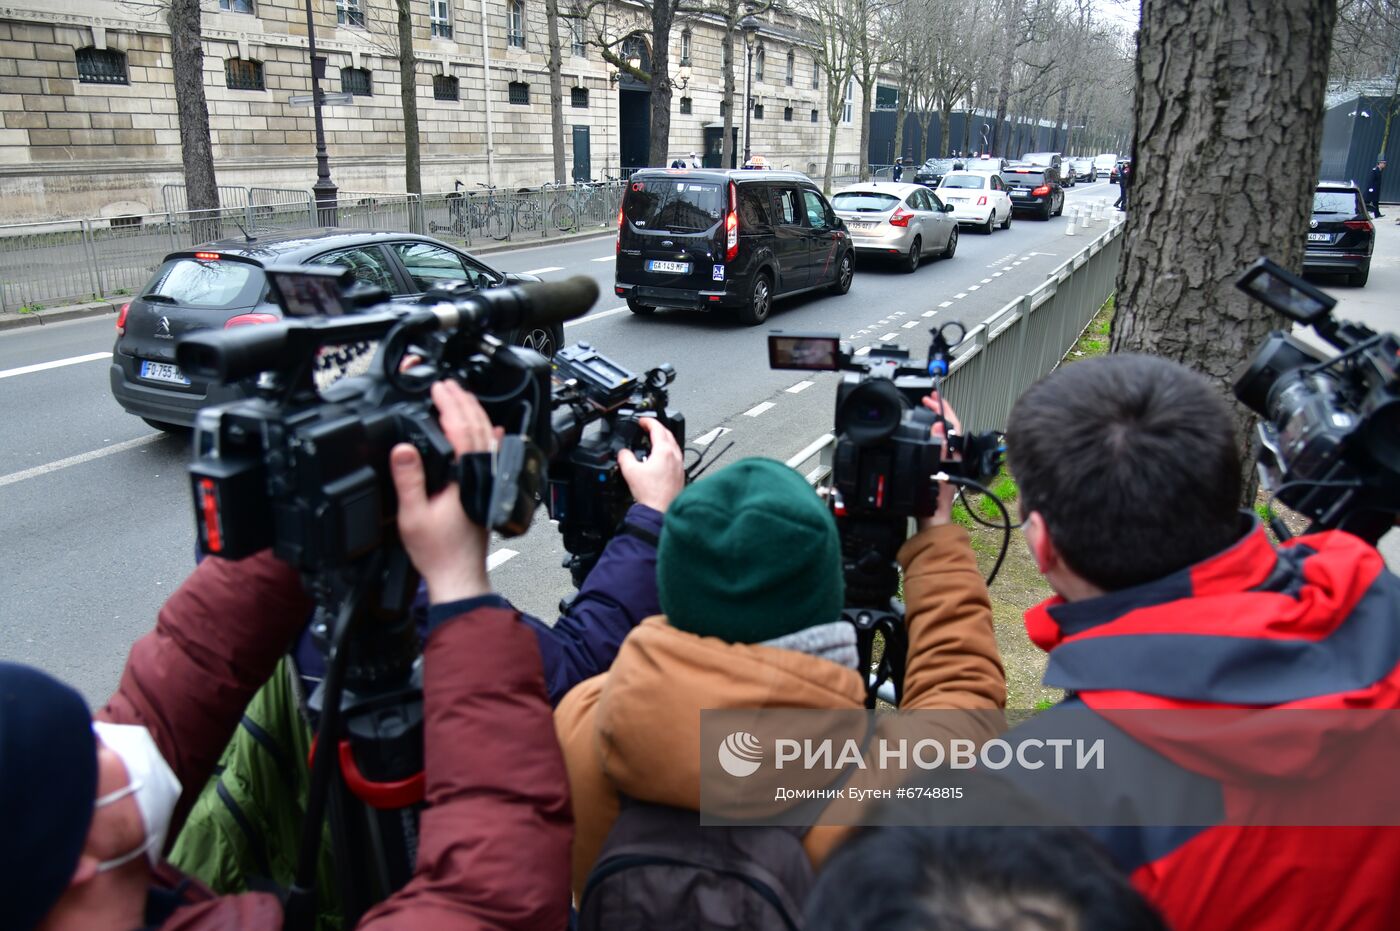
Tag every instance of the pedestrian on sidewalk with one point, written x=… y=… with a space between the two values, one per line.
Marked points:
x=1373 y=189
x=1125 y=181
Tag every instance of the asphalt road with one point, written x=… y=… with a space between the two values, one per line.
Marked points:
x=95 y=523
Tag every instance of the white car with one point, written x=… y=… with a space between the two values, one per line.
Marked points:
x=978 y=199
x=1103 y=164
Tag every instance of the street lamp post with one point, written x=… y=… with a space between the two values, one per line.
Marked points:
x=324 y=188
x=985 y=144
x=749 y=25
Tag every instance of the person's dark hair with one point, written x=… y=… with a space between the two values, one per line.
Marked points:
x=975 y=879
x=1131 y=460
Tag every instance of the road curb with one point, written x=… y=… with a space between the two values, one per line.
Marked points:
x=56 y=314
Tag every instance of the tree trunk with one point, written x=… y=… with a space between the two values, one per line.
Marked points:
x=1060 y=123
x=1226 y=92
x=901 y=113
x=196 y=151
x=1008 y=58
x=663 y=13
x=865 y=133
x=945 y=119
x=408 y=95
x=727 y=48
x=556 y=89
x=925 y=118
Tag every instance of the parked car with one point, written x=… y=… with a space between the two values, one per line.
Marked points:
x=931 y=172
x=1103 y=164
x=978 y=199
x=1118 y=169
x=1082 y=169
x=1341 y=237
x=222 y=285
x=898 y=221
x=1034 y=190
x=703 y=238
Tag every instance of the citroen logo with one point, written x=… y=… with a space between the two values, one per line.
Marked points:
x=163 y=329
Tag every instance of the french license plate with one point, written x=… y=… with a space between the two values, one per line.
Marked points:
x=1319 y=237
x=163 y=371
x=861 y=227
x=678 y=268
x=1018 y=193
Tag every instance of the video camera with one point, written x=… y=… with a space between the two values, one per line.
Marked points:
x=887 y=468
x=1330 y=437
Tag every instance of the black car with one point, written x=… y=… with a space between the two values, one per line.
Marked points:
x=221 y=284
x=702 y=238
x=1034 y=190
x=1340 y=235
x=931 y=172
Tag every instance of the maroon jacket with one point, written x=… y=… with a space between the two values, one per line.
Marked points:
x=495 y=839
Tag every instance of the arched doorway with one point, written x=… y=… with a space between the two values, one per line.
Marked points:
x=634 y=106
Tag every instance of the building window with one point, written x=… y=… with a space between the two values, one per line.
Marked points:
x=685 y=47
x=350 y=13
x=791 y=67
x=519 y=93
x=445 y=87
x=440 y=13
x=687 y=106
x=578 y=44
x=243 y=74
x=850 y=100
x=758 y=111
x=787 y=114
x=101 y=66
x=816 y=74
x=578 y=97
x=814 y=116
x=515 y=33
x=236 y=6
x=758 y=59
x=356 y=81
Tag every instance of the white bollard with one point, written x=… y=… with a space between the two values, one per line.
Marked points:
x=1069 y=227
x=1084 y=219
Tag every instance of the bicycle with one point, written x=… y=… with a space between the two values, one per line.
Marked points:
x=527 y=211
x=491 y=216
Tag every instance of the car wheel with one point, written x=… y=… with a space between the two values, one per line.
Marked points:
x=952 y=244
x=1358 y=279
x=1045 y=212
x=544 y=340
x=164 y=427
x=990 y=224
x=1006 y=224
x=1059 y=211
x=760 y=301
x=911 y=261
x=641 y=310
x=845 y=271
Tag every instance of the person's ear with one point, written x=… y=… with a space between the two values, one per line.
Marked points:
x=85 y=870
x=1047 y=558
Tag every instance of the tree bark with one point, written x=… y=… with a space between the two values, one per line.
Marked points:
x=1008 y=59
x=196 y=151
x=864 y=131
x=556 y=89
x=408 y=95
x=901 y=113
x=663 y=14
x=727 y=50
x=1226 y=92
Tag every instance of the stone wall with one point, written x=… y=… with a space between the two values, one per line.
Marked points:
x=70 y=148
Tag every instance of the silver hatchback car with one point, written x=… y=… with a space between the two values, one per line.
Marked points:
x=903 y=221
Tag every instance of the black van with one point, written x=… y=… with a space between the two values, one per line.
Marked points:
x=701 y=238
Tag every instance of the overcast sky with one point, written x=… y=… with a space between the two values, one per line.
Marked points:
x=1126 y=12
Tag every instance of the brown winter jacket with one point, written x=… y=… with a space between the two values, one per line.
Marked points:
x=636 y=728
x=493 y=848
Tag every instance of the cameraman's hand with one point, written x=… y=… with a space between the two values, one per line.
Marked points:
x=947 y=491
x=447 y=548
x=658 y=480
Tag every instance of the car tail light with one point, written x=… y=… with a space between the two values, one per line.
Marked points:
x=1041 y=191
x=207 y=256
x=982 y=201
x=121 y=319
x=620 y=220
x=731 y=226
x=901 y=217
x=250 y=320
x=1362 y=225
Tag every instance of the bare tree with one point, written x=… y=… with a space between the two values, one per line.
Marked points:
x=1366 y=47
x=872 y=54
x=556 y=88
x=408 y=96
x=187 y=62
x=833 y=48
x=1225 y=93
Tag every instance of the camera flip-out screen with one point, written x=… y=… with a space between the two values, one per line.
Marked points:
x=1285 y=292
x=308 y=291
x=815 y=352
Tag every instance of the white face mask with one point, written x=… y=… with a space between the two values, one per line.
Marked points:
x=151 y=781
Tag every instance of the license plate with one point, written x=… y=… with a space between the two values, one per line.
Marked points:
x=862 y=227
x=1319 y=237
x=1018 y=193
x=163 y=371
x=678 y=268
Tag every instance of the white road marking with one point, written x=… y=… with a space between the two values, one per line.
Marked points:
x=759 y=409
x=946 y=304
x=705 y=439
x=960 y=295
x=809 y=450
x=899 y=313
x=986 y=281
x=79 y=459
x=890 y=335
x=864 y=350
x=929 y=313
x=974 y=287
x=56 y=364
x=997 y=274
x=543 y=271
x=607 y=258
x=499 y=558
x=910 y=325
x=1007 y=268
x=598 y=316
x=800 y=387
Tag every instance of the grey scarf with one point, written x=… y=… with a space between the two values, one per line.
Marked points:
x=835 y=641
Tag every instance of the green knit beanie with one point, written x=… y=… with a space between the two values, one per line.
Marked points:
x=748 y=555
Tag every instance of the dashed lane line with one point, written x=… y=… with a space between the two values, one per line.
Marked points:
x=55 y=364
x=910 y=325
x=598 y=316
x=705 y=439
x=800 y=387
x=891 y=335
x=758 y=409
x=946 y=304
x=79 y=459
x=500 y=558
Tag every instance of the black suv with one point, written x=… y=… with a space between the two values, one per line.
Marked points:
x=1034 y=190
x=221 y=284
x=931 y=172
x=1340 y=234
x=702 y=238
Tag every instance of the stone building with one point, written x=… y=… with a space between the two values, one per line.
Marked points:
x=89 y=118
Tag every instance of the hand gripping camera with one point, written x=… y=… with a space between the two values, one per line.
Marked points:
x=1330 y=435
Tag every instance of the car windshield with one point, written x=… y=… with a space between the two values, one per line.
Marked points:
x=964 y=181
x=865 y=201
x=674 y=204
x=208 y=283
x=1336 y=203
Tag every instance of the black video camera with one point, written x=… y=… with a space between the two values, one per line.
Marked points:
x=1330 y=438
x=598 y=409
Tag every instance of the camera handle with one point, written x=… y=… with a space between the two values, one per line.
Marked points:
x=889 y=623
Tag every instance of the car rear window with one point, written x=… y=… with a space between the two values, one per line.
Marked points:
x=864 y=201
x=1023 y=176
x=1345 y=204
x=965 y=181
x=675 y=204
x=208 y=282
x=1038 y=158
